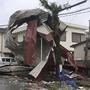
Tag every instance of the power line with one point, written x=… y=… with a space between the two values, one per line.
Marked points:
x=75 y=11
x=74 y=5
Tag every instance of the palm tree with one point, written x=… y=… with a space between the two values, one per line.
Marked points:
x=54 y=25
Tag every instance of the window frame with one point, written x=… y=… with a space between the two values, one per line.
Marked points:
x=80 y=34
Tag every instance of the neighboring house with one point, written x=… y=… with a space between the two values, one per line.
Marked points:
x=79 y=51
x=3 y=51
x=82 y=49
x=73 y=35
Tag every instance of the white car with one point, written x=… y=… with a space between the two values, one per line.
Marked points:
x=7 y=61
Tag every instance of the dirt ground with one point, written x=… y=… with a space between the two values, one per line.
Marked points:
x=17 y=83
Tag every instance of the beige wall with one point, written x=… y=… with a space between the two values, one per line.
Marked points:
x=79 y=53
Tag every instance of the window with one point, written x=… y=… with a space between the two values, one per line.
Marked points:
x=63 y=37
x=3 y=59
x=77 y=37
x=7 y=60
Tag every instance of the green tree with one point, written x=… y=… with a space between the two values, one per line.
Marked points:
x=54 y=25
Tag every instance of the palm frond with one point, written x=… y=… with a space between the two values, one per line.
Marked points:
x=45 y=4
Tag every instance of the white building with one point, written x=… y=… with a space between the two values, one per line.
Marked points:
x=3 y=50
x=73 y=35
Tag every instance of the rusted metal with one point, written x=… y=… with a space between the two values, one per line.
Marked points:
x=30 y=38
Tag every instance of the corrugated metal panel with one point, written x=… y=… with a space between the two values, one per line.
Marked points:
x=44 y=29
x=22 y=16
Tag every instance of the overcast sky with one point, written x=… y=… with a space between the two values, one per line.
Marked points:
x=8 y=7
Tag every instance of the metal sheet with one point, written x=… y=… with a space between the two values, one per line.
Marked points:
x=30 y=43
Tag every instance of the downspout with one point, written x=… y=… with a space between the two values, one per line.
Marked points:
x=41 y=48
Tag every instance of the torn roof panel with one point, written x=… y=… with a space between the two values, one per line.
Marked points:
x=44 y=29
x=46 y=32
x=21 y=28
x=19 y=16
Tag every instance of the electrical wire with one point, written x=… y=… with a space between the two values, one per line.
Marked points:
x=74 y=11
x=74 y=5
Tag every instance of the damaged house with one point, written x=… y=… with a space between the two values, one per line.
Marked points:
x=36 y=47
